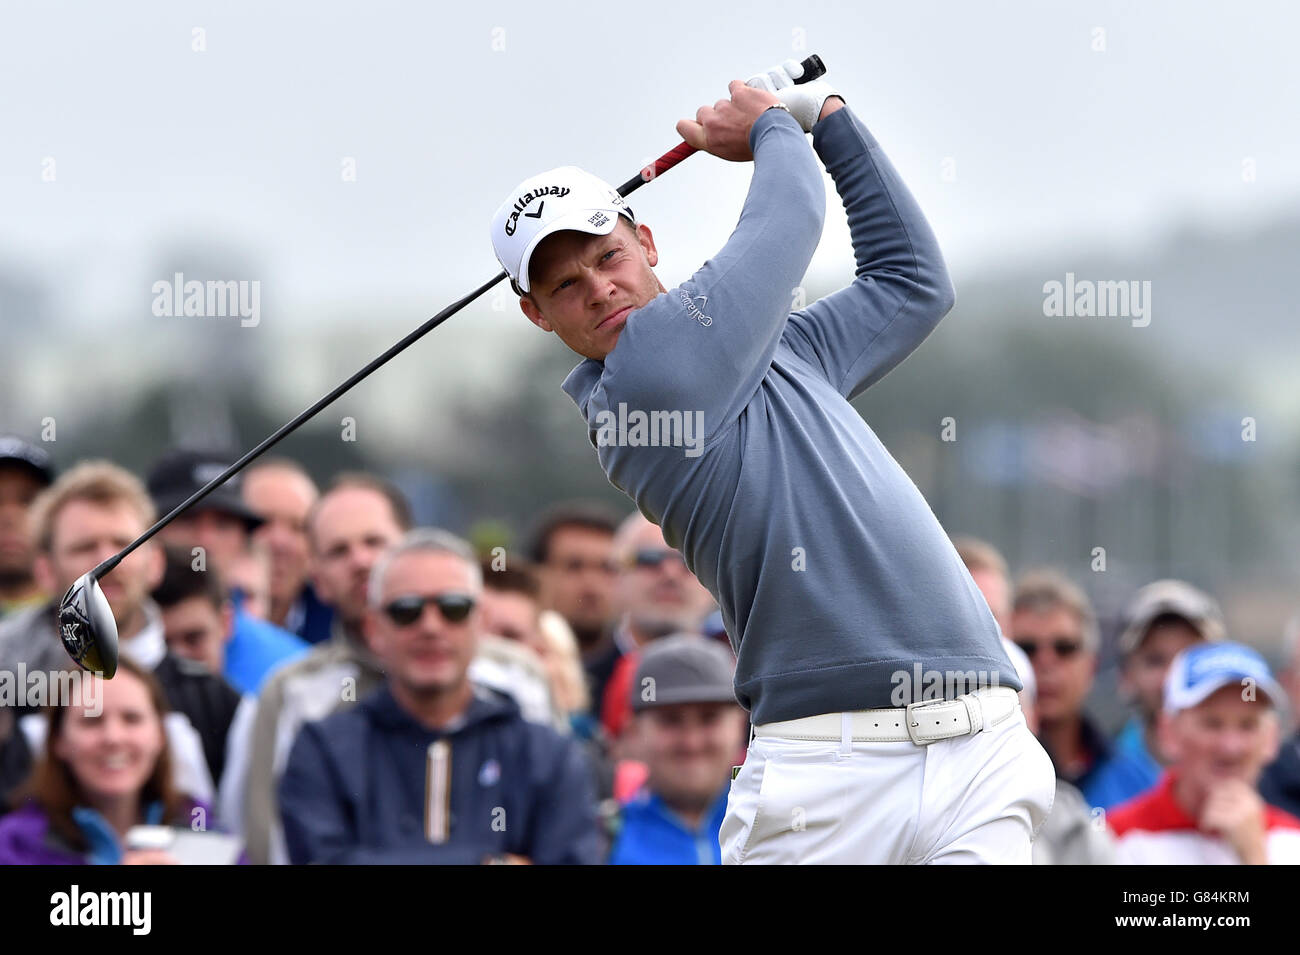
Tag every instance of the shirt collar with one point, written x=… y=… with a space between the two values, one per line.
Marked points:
x=149 y=646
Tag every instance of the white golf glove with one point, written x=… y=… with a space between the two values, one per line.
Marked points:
x=804 y=101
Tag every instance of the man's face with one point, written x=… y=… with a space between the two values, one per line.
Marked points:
x=282 y=499
x=431 y=655
x=512 y=615
x=1225 y=737
x=578 y=576
x=18 y=488
x=1053 y=641
x=1144 y=671
x=86 y=533
x=578 y=282
x=351 y=528
x=689 y=749
x=198 y=630
x=223 y=537
x=997 y=593
x=655 y=588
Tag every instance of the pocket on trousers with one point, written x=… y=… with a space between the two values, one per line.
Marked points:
x=737 y=828
x=796 y=805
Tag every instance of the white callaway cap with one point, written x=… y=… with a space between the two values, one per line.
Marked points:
x=563 y=198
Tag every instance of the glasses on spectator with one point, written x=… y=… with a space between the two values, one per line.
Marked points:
x=404 y=611
x=1063 y=647
x=576 y=565
x=653 y=559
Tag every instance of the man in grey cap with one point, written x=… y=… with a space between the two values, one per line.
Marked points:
x=689 y=730
x=25 y=470
x=1165 y=617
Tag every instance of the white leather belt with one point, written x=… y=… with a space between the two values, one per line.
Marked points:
x=922 y=723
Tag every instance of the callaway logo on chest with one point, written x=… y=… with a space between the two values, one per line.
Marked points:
x=522 y=203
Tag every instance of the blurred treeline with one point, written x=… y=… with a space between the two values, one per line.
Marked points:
x=1118 y=453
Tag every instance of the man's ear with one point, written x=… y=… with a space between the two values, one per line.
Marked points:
x=647 y=240
x=534 y=314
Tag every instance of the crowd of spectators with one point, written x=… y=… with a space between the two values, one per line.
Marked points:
x=309 y=677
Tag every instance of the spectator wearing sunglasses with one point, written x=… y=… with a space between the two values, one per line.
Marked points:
x=1163 y=619
x=1053 y=623
x=656 y=594
x=357 y=518
x=432 y=768
x=1072 y=834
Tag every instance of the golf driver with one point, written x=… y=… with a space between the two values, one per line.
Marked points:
x=86 y=624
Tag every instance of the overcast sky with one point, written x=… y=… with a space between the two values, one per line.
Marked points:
x=1049 y=141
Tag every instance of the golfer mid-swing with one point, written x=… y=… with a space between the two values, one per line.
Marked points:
x=845 y=602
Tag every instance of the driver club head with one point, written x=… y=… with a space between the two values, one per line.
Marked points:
x=87 y=627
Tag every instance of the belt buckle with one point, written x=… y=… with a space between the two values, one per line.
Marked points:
x=913 y=723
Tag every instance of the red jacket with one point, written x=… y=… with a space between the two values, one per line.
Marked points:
x=1153 y=829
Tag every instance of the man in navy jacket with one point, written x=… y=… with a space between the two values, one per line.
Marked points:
x=430 y=769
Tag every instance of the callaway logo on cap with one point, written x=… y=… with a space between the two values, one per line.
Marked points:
x=563 y=198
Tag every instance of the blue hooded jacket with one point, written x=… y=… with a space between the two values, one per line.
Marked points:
x=354 y=789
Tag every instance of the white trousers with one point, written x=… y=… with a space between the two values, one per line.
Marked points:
x=968 y=800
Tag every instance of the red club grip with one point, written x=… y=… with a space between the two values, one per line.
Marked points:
x=666 y=161
x=813 y=67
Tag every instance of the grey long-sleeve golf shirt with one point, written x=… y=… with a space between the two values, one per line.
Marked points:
x=837 y=584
